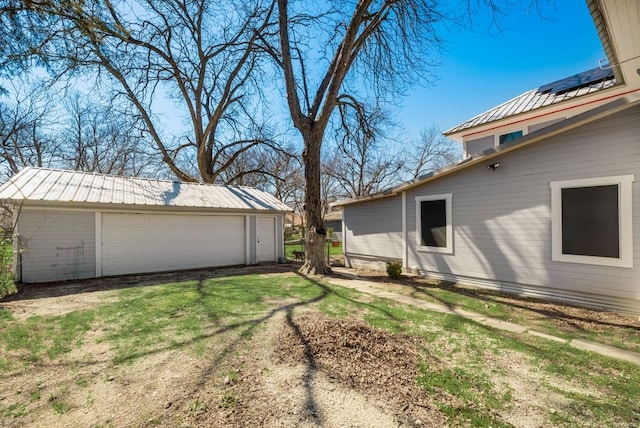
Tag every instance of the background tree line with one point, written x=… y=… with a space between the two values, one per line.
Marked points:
x=49 y=127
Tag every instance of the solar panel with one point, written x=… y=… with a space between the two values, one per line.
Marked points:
x=576 y=81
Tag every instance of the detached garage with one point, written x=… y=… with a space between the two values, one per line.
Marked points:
x=74 y=225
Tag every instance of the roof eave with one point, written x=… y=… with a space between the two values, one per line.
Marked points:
x=97 y=206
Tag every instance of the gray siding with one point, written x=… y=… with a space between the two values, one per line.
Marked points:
x=479 y=145
x=335 y=224
x=373 y=230
x=56 y=245
x=537 y=126
x=502 y=218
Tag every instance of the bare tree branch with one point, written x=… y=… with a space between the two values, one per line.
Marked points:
x=430 y=152
x=202 y=55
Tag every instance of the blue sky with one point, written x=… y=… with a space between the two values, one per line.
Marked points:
x=483 y=67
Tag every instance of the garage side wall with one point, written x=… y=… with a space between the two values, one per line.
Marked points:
x=56 y=245
x=373 y=233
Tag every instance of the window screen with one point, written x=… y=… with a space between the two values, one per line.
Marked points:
x=590 y=221
x=433 y=218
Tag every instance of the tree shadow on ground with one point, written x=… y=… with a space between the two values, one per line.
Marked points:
x=243 y=329
x=575 y=317
x=65 y=288
x=318 y=291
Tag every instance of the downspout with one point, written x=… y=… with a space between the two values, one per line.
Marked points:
x=344 y=237
x=98 y=243
x=16 y=259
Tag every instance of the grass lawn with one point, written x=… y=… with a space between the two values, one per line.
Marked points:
x=59 y=369
x=290 y=248
x=545 y=317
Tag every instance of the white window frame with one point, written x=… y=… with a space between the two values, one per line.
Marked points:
x=624 y=183
x=447 y=197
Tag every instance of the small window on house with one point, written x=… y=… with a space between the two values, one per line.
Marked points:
x=505 y=138
x=591 y=221
x=433 y=221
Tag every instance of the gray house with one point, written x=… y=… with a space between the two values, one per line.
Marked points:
x=81 y=225
x=546 y=202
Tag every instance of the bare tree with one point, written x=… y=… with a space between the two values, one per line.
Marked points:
x=430 y=152
x=286 y=181
x=23 y=119
x=203 y=55
x=199 y=54
x=335 y=53
x=320 y=51
x=105 y=139
x=359 y=166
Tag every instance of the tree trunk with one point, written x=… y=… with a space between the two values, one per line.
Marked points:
x=314 y=263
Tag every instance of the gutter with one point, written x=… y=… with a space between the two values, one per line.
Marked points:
x=107 y=207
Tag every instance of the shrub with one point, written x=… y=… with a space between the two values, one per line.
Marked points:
x=394 y=270
x=7 y=284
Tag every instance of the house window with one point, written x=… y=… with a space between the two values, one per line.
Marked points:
x=433 y=221
x=591 y=221
x=505 y=138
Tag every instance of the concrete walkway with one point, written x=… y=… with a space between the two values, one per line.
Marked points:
x=349 y=280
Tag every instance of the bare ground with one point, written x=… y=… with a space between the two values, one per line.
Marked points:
x=299 y=369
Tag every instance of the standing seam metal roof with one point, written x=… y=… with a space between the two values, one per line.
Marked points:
x=530 y=100
x=52 y=185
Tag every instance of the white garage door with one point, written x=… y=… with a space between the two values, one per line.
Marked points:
x=135 y=243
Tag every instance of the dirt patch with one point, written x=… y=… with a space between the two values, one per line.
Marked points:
x=270 y=389
x=365 y=359
x=309 y=370
x=299 y=370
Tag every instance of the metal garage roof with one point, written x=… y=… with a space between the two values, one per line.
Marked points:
x=81 y=188
x=569 y=88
